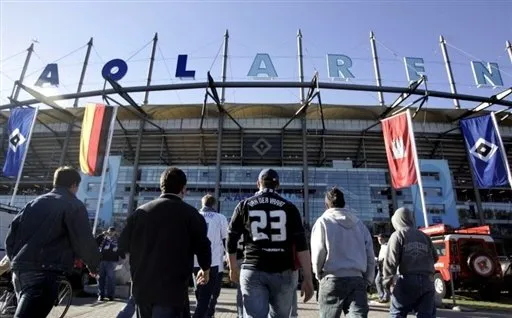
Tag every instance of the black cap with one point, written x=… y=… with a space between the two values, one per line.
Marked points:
x=269 y=175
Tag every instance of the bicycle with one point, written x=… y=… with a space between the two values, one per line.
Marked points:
x=8 y=301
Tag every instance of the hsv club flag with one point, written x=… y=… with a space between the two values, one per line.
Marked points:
x=94 y=137
x=400 y=150
x=18 y=129
x=487 y=157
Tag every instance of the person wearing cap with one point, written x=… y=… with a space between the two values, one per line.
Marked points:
x=271 y=227
x=110 y=255
x=411 y=252
x=382 y=290
x=343 y=259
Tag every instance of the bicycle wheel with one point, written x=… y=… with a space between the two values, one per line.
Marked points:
x=63 y=301
x=7 y=304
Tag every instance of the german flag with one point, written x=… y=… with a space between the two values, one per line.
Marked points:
x=94 y=137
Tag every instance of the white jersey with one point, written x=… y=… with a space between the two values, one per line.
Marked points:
x=217 y=231
x=382 y=252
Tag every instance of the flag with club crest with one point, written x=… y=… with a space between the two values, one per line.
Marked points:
x=19 y=127
x=487 y=157
x=401 y=150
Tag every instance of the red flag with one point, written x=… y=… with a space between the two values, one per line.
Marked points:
x=400 y=150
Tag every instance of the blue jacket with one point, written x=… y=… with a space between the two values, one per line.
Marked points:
x=50 y=232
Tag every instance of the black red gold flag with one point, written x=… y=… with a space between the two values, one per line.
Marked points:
x=94 y=137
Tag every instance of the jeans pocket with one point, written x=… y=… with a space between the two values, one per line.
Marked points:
x=327 y=281
x=328 y=291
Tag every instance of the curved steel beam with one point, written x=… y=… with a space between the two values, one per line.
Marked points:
x=270 y=84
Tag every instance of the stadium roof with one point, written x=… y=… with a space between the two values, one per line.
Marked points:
x=246 y=110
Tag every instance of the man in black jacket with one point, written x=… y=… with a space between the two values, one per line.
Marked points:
x=162 y=237
x=43 y=241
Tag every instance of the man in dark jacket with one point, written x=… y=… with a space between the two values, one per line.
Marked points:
x=162 y=237
x=411 y=252
x=43 y=241
x=110 y=254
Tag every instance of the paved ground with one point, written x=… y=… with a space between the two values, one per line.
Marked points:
x=89 y=308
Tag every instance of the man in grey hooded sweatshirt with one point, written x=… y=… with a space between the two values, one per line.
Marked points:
x=343 y=259
x=412 y=252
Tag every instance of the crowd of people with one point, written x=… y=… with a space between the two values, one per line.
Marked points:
x=167 y=241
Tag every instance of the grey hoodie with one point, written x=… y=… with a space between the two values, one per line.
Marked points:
x=341 y=246
x=410 y=250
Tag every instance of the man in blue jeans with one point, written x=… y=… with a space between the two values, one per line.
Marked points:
x=239 y=261
x=217 y=233
x=343 y=259
x=382 y=290
x=129 y=309
x=43 y=240
x=110 y=255
x=411 y=252
x=271 y=227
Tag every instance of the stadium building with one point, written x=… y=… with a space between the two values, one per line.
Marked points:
x=336 y=150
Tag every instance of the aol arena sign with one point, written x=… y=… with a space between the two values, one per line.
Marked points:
x=339 y=66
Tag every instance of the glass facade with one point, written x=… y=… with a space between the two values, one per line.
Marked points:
x=367 y=193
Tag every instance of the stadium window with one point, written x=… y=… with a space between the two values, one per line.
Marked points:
x=94 y=187
x=430 y=176
x=433 y=192
x=91 y=204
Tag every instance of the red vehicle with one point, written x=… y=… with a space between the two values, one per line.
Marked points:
x=79 y=277
x=469 y=258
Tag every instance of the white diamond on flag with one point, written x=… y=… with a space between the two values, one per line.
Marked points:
x=483 y=150
x=16 y=139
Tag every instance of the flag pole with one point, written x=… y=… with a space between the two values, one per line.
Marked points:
x=20 y=171
x=502 y=148
x=417 y=164
x=104 y=170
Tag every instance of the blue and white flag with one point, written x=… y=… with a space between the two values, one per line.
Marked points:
x=19 y=127
x=487 y=157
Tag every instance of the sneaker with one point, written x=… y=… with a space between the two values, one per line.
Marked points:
x=101 y=298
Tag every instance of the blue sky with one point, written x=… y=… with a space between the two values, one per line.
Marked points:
x=475 y=30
